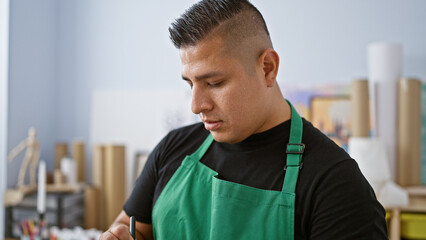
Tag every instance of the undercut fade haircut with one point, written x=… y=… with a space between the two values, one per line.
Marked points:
x=200 y=19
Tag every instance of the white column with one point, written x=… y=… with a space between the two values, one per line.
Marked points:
x=4 y=53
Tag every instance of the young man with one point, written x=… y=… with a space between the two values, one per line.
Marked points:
x=253 y=169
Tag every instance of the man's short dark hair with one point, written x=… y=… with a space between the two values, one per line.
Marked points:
x=200 y=19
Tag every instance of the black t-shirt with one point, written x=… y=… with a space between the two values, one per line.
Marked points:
x=333 y=199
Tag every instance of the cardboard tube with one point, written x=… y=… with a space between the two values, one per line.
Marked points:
x=61 y=150
x=79 y=157
x=409 y=132
x=114 y=181
x=91 y=210
x=98 y=170
x=360 y=108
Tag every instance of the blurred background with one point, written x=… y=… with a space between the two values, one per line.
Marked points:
x=104 y=71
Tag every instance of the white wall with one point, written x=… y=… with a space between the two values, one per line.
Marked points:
x=32 y=77
x=111 y=45
x=4 y=42
x=325 y=41
x=108 y=44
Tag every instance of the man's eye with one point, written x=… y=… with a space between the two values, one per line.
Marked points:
x=215 y=84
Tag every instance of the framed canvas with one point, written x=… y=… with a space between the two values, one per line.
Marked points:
x=332 y=115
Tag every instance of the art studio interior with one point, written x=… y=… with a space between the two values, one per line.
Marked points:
x=89 y=88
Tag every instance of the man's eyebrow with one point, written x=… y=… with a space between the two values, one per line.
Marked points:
x=204 y=76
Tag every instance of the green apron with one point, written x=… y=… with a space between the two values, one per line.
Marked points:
x=196 y=204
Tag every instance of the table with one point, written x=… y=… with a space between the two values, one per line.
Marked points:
x=417 y=204
x=63 y=209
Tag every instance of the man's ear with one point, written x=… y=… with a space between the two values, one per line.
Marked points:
x=270 y=62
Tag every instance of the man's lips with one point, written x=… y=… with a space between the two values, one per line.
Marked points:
x=212 y=125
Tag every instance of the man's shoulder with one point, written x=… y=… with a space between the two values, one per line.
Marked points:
x=320 y=149
x=184 y=138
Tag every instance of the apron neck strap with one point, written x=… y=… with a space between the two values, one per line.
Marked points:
x=203 y=148
x=295 y=149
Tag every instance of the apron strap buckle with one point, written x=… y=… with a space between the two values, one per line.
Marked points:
x=300 y=166
x=295 y=148
x=292 y=160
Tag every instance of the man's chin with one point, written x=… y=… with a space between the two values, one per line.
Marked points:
x=223 y=137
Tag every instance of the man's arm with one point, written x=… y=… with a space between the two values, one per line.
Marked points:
x=119 y=230
x=346 y=207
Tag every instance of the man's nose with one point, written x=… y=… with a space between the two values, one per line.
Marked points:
x=201 y=101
